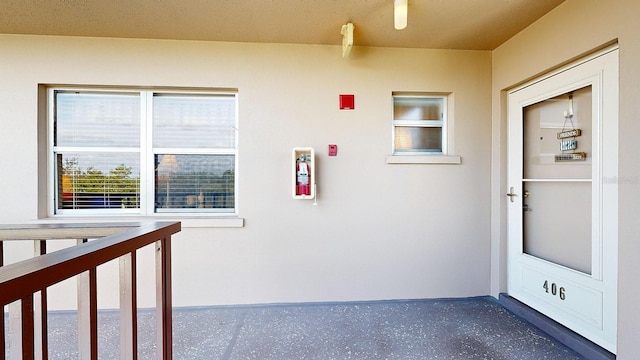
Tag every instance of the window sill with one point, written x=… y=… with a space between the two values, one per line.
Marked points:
x=187 y=222
x=227 y=222
x=424 y=159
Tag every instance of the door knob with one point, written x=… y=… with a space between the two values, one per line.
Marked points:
x=511 y=194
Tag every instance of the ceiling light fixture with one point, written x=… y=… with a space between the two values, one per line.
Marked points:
x=400 y=14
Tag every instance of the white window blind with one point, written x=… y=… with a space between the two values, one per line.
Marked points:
x=192 y=121
x=88 y=119
x=96 y=148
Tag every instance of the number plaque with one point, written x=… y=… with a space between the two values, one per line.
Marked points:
x=554 y=290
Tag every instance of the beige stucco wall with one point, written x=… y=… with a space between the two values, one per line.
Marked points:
x=379 y=232
x=574 y=28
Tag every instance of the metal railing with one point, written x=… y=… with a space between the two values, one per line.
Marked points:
x=27 y=281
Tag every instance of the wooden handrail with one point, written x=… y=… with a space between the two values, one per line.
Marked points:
x=21 y=280
x=62 y=230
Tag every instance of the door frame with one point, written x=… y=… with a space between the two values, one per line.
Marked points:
x=592 y=307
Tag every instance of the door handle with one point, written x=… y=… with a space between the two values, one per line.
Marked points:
x=511 y=194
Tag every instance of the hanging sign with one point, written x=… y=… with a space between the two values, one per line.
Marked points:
x=568 y=140
x=569 y=144
x=569 y=133
x=571 y=156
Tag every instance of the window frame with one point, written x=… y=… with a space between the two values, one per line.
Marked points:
x=147 y=154
x=421 y=123
x=447 y=155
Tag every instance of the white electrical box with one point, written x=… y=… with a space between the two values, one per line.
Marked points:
x=304 y=173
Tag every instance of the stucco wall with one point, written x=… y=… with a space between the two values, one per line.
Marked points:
x=574 y=28
x=379 y=232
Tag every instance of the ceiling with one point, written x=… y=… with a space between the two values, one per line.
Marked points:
x=433 y=24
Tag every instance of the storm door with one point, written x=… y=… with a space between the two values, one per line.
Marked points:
x=562 y=196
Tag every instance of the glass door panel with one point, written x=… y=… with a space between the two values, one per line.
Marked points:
x=557 y=173
x=543 y=121
x=557 y=223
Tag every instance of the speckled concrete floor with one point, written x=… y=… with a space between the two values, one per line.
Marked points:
x=465 y=329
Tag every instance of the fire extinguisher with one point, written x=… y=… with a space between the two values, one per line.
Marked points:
x=303 y=176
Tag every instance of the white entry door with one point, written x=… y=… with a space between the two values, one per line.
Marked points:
x=563 y=196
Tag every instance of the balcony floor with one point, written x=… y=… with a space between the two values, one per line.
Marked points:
x=466 y=329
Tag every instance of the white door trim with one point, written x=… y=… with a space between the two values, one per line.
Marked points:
x=590 y=305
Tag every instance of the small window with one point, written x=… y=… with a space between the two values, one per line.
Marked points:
x=142 y=152
x=419 y=125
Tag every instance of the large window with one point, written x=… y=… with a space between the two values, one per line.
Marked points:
x=142 y=152
x=419 y=125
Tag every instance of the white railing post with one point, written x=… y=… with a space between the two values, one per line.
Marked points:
x=15 y=330
x=40 y=341
x=84 y=328
x=164 y=327
x=128 y=308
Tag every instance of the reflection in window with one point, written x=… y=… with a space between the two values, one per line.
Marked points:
x=194 y=182
x=98 y=181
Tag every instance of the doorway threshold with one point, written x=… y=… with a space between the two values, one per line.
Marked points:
x=564 y=335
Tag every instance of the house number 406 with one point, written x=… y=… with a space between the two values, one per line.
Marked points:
x=554 y=290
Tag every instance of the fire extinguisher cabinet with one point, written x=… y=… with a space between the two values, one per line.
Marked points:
x=304 y=173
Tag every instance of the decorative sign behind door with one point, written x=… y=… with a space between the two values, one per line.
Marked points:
x=567 y=138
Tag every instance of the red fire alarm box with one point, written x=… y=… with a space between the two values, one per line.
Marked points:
x=347 y=102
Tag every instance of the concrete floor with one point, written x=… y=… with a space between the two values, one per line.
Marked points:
x=465 y=329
